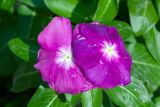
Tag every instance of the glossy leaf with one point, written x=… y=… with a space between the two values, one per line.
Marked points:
x=144 y=66
x=72 y=100
x=133 y=95
x=92 y=98
x=45 y=97
x=106 y=10
x=76 y=10
x=34 y=3
x=157 y=100
x=143 y=15
x=152 y=39
x=24 y=10
x=7 y=5
x=124 y=29
x=158 y=6
x=24 y=49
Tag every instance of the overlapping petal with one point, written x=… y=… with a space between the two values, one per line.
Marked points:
x=100 y=52
x=56 y=34
x=55 y=61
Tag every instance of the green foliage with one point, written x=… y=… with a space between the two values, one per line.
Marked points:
x=22 y=20
x=106 y=10
x=24 y=78
x=152 y=39
x=92 y=98
x=23 y=48
x=143 y=16
x=76 y=10
x=34 y=3
x=46 y=97
x=158 y=6
x=124 y=30
x=144 y=66
x=72 y=99
x=7 y=5
x=158 y=102
x=133 y=95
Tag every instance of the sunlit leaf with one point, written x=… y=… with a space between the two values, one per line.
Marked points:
x=157 y=100
x=144 y=66
x=92 y=98
x=24 y=48
x=45 y=97
x=143 y=15
x=152 y=39
x=158 y=6
x=106 y=10
x=76 y=10
x=133 y=95
x=7 y=5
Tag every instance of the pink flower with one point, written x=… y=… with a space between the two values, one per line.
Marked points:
x=55 y=60
x=100 y=52
x=99 y=57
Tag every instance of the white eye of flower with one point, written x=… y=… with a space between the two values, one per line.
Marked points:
x=109 y=50
x=64 y=57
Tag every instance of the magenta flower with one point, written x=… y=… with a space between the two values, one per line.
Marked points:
x=100 y=52
x=55 y=60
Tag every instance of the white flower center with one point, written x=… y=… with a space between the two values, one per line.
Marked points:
x=109 y=50
x=64 y=57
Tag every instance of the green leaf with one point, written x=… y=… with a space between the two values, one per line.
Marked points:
x=143 y=15
x=24 y=48
x=107 y=102
x=72 y=99
x=144 y=66
x=25 y=81
x=76 y=10
x=92 y=98
x=24 y=10
x=25 y=77
x=157 y=100
x=45 y=97
x=133 y=95
x=158 y=6
x=25 y=20
x=7 y=5
x=106 y=10
x=152 y=39
x=34 y=3
x=124 y=29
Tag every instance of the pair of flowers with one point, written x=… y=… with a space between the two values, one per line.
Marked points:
x=92 y=56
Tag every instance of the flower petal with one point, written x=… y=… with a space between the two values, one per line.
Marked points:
x=46 y=64
x=108 y=75
x=82 y=45
x=60 y=79
x=100 y=52
x=69 y=81
x=58 y=32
